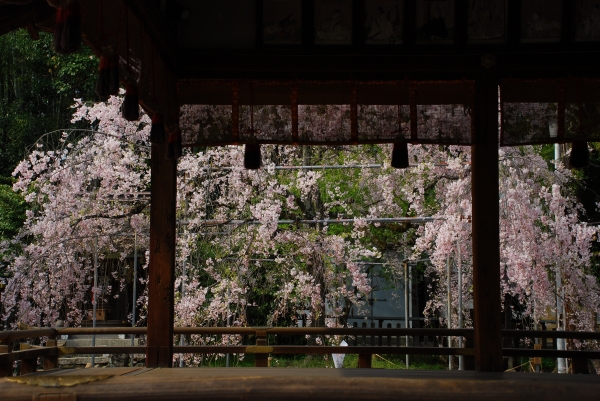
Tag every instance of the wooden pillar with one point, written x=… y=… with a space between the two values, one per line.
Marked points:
x=486 y=225
x=161 y=274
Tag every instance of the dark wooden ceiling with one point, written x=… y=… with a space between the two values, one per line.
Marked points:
x=206 y=40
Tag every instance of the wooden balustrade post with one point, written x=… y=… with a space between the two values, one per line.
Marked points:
x=364 y=360
x=5 y=364
x=470 y=343
x=28 y=365
x=51 y=361
x=261 y=360
x=580 y=366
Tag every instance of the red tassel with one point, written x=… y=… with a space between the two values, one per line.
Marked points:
x=174 y=150
x=157 y=131
x=131 y=107
x=67 y=31
x=108 y=75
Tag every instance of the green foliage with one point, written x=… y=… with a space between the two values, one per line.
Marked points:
x=37 y=88
x=12 y=210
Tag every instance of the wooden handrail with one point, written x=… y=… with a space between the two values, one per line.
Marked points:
x=102 y=330
x=11 y=335
x=581 y=335
x=51 y=332
x=550 y=353
x=318 y=349
x=363 y=331
x=262 y=349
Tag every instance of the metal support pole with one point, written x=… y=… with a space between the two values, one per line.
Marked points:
x=94 y=299
x=406 y=290
x=227 y=356
x=461 y=361
x=410 y=303
x=561 y=363
x=134 y=301
x=181 y=337
x=449 y=306
x=560 y=342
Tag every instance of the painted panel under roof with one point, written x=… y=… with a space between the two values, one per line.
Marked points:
x=223 y=24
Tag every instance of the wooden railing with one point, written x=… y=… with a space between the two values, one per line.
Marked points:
x=28 y=354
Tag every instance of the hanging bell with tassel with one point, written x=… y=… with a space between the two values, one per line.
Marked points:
x=174 y=149
x=580 y=155
x=252 y=156
x=67 y=30
x=108 y=74
x=400 y=155
x=67 y=26
x=130 y=109
x=157 y=129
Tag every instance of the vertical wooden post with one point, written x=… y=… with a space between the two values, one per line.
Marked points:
x=261 y=360
x=580 y=366
x=161 y=274
x=51 y=361
x=364 y=360
x=486 y=225
x=5 y=363
x=28 y=365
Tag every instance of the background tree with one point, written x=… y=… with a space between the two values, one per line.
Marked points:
x=37 y=88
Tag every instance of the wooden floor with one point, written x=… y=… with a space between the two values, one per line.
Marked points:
x=273 y=384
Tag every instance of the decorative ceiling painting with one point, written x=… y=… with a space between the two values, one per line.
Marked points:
x=587 y=20
x=333 y=22
x=541 y=21
x=435 y=21
x=487 y=21
x=282 y=22
x=383 y=22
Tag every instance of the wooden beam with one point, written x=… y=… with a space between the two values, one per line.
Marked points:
x=486 y=225
x=374 y=63
x=30 y=16
x=161 y=275
x=154 y=25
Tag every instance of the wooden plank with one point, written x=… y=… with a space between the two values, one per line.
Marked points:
x=101 y=350
x=320 y=384
x=29 y=354
x=486 y=226
x=102 y=330
x=161 y=274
